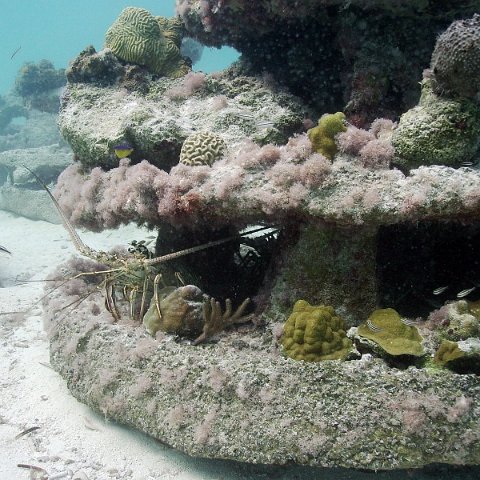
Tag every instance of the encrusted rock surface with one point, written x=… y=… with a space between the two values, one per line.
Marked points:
x=241 y=399
x=159 y=114
x=369 y=53
x=229 y=193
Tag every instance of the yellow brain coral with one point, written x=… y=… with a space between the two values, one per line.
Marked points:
x=386 y=328
x=137 y=36
x=202 y=148
x=314 y=333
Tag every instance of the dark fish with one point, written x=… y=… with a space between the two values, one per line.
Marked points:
x=16 y=51
x=3 y=249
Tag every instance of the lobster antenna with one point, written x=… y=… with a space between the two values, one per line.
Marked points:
x=77 y=241
x=199 y=248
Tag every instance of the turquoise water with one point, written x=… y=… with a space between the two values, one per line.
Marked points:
x=58 y=30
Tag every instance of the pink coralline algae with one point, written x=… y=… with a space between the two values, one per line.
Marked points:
x=270 y=184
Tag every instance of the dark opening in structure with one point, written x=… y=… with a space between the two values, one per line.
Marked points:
x=415 y=262
x=234 y=269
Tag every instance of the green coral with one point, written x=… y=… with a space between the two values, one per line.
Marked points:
x=386 y=328
x=323 y=135
x=438 y=131
x=202 y=148
x=137 y=36
x=447 y=352
x=314 y=333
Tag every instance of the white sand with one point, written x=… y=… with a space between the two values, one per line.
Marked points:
x=71 y=439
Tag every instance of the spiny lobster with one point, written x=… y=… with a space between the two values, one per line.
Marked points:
x=135 y=274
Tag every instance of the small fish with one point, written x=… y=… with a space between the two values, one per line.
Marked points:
x=409 y=323
x=90 y=425
x=3 y=249
x=264 y=124
x=244 y=115
x=467 y=164
x=26 y=432
x=373 y=327
x=439 y=290
x=465 y=292
x=16 y=51
x=123 y=150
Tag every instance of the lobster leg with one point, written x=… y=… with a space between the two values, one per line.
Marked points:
x=155 y=294
x=110 y=300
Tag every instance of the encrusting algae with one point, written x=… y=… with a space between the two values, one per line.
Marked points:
x=386 y=328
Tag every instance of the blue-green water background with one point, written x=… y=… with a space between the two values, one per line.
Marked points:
x=58 y=30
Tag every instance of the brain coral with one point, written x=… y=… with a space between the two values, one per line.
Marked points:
x=314 y=333
x=386 y=328
x=456 y=59
x=202 y=148
x=137 y=36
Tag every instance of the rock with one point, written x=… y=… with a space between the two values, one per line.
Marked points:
x=95 y=117
x=438 y=131
x=367 y=54
x=253 y=405
x=20 y=193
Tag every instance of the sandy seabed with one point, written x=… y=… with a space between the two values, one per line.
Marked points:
x=65 y=438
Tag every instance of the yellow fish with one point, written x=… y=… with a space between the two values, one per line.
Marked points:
x=123 y=150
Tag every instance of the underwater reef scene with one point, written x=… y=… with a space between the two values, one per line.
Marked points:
x=313 y=297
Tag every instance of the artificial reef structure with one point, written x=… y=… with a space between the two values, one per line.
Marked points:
x=360 y=344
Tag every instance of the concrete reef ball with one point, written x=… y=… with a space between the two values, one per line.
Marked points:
x=138 y=37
